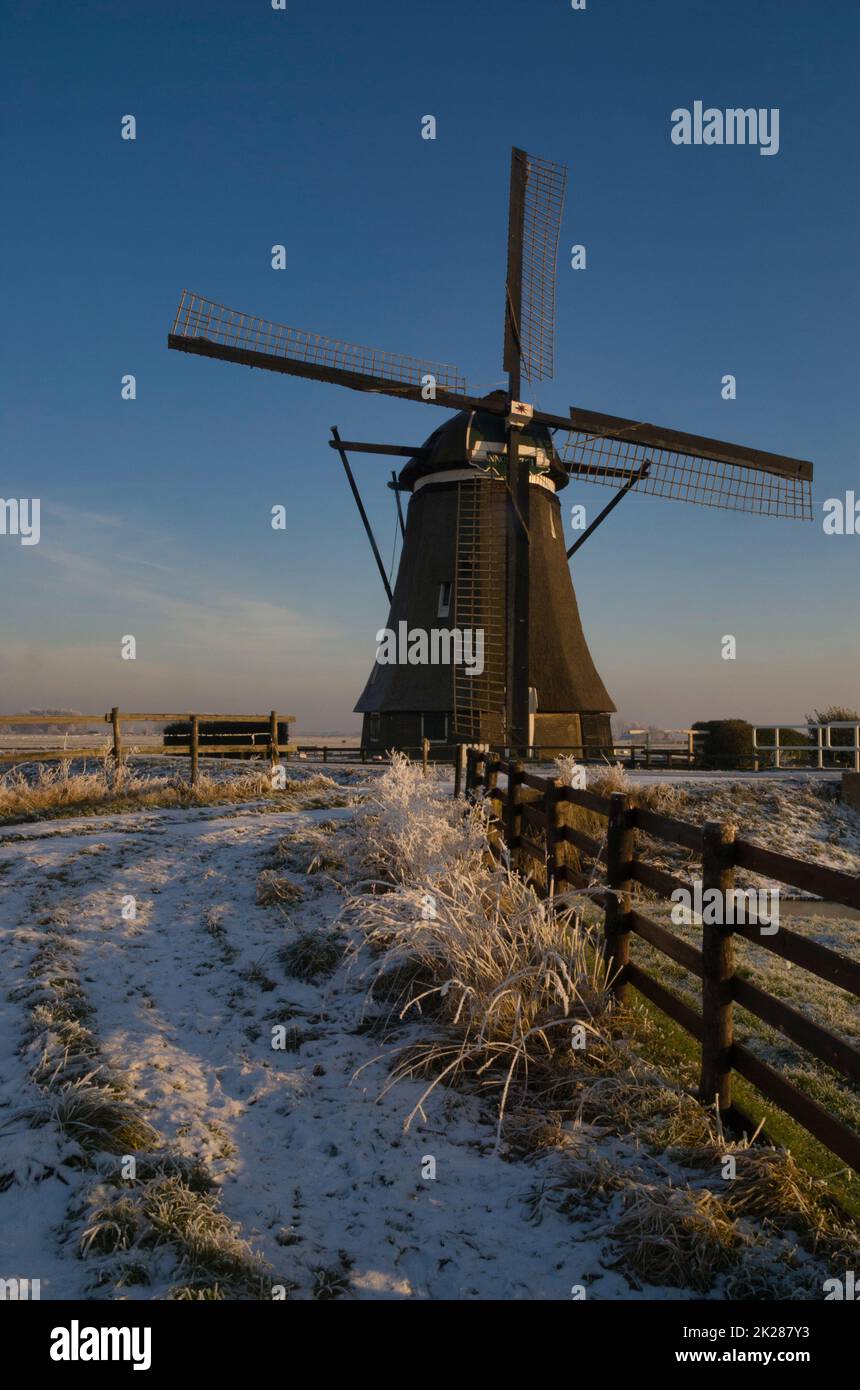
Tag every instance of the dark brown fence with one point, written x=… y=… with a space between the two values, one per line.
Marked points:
x=189 y=743
x=516 y=813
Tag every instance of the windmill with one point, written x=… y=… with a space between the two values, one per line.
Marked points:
x=483 y=541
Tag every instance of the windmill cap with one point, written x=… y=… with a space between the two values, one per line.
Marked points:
x=465 y=439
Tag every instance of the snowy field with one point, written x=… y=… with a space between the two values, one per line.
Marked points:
x=156 y=955
x=315 y=1170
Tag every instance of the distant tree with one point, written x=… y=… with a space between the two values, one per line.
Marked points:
x=839 y=738
x=835 y=714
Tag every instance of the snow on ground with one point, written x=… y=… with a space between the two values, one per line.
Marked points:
x=310 y=1158
x=793 y=812
x=795 y=815
x=316 y=1170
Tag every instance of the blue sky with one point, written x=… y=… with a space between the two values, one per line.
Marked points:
x=257 y=127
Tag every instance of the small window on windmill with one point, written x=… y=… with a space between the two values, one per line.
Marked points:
x=434 y=727
x=444 y=599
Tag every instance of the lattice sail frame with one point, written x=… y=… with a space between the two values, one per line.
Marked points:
x=203 y=319
x=685 y=477
x=543 y=206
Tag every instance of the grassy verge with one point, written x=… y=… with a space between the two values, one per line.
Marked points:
x=826 y=1004
x=514 y=1007
x=58 y=792
x=664 y=1043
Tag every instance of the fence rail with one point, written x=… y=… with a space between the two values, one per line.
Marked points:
x=198 y=737
x=529 y=801
x=818 y=746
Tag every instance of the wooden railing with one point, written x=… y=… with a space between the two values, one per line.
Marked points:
x=633 y=755
x=269 y=745
x=819 y=748
x=614 y=861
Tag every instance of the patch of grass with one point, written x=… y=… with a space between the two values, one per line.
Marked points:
x=198 y=1293
x=402 y=984
x=323 y=863
x=507 y=972
x=98 y=1117
x=409 y=830
x=675 y=1236
x=256 y=975
x=166 y=1212
x=213 y=924
x=191 y=1172
x=762 y=1273
x=81 y=787
x=312 y=955
x=275 y=890
x=330 y=1283
x=115 y=1227
x=586 y=1176
x=69 y=1050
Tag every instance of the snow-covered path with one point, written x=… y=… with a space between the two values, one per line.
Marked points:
x=315 y=1168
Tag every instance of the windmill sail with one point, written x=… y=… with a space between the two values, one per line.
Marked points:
x=534 y=223
x=687 y=468
x=212 y=330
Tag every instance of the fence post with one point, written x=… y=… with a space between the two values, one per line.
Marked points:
x=620 y=840
x=513 y=809
x=491 y=779
x=459 y=768
x=718 y=968
x=117 y=735
x=194 y=747
x=553 y=804
x=425 y=749
x=325 y=753
x=273 y=737
x=479 y=758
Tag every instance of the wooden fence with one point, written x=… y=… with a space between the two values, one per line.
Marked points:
x=269 y=747
x=633 y=755
x=531 y=803
x=819 y=748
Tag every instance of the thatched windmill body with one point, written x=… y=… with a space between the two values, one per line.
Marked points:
x=454 y=573
x=483 y=543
